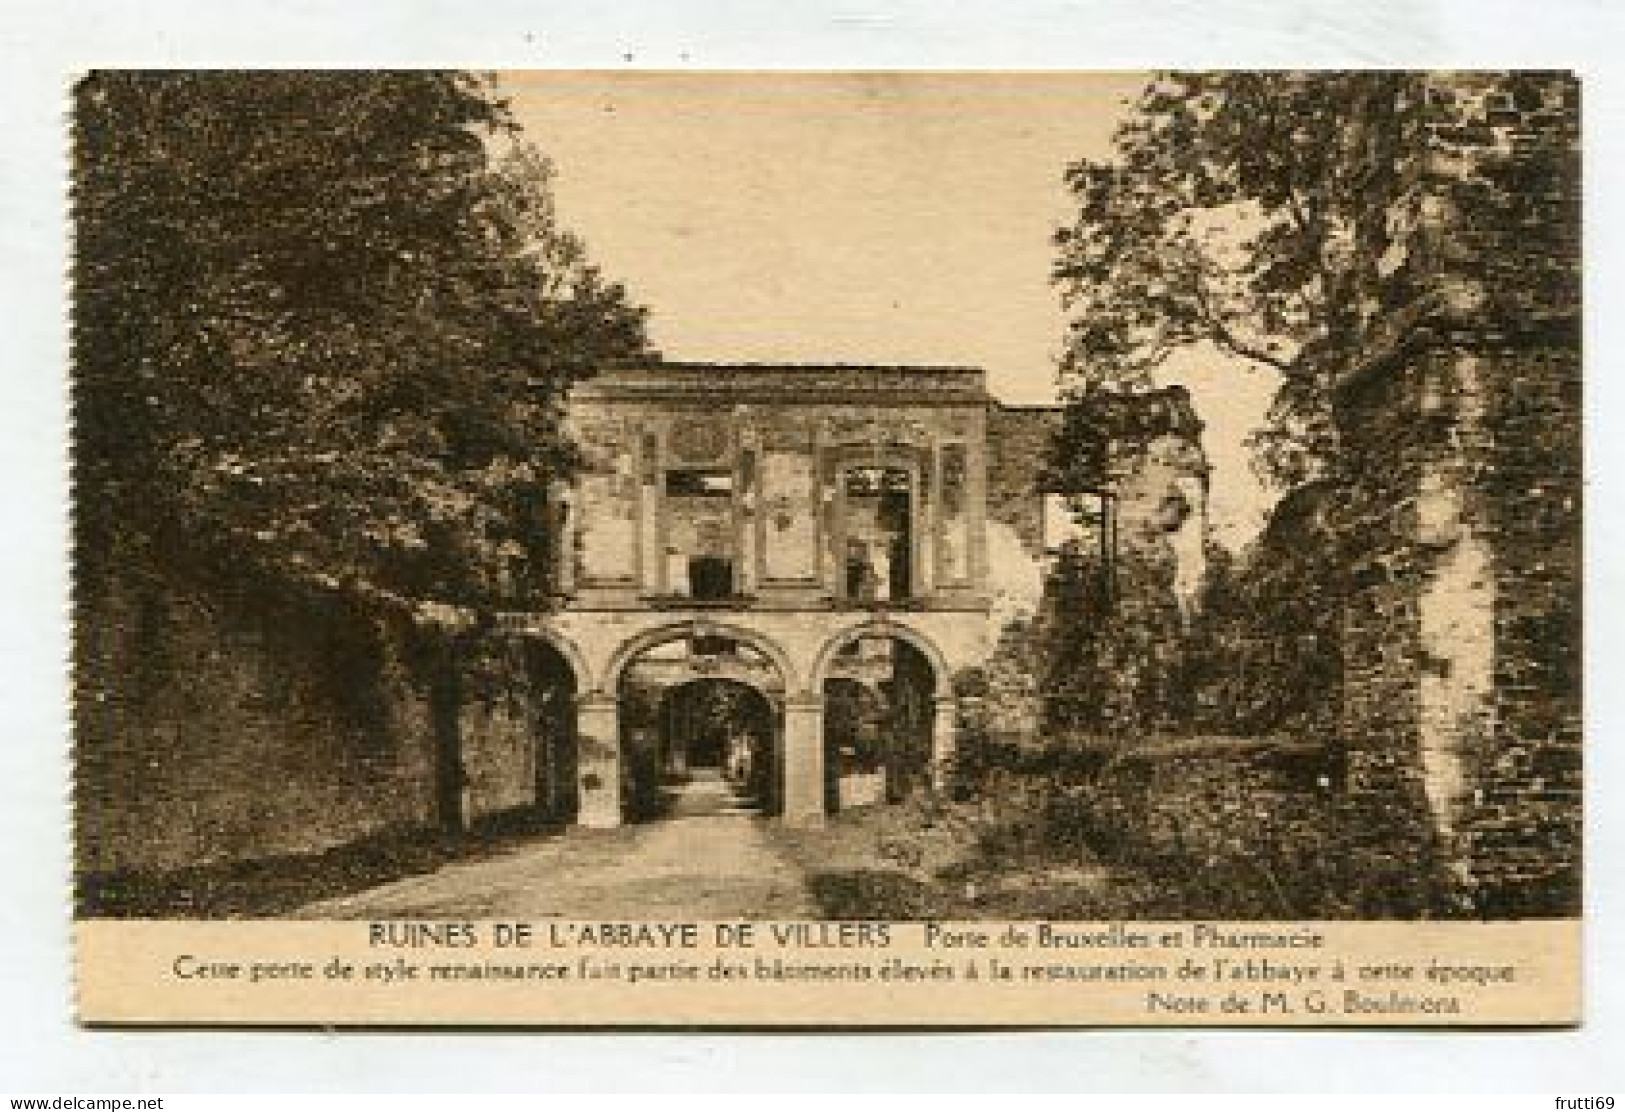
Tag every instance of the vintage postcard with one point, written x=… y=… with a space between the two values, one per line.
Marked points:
x=827 y=549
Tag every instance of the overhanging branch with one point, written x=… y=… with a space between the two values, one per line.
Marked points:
x=1223 y=335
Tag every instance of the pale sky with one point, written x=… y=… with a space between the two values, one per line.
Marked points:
x=857 y=218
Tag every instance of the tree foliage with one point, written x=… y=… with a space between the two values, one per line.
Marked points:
x=1265 y=649
x=1237 y=211
x=1104 y=431
x=324 y=323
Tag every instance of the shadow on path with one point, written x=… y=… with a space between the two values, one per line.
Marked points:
x=712 y=859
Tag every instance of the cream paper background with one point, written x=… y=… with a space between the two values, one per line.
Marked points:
x=44 y=44
x=145 y=972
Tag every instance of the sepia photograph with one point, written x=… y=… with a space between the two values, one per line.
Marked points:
x=1097 y=497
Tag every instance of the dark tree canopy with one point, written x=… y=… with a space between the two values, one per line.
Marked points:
x=1235 y=211
x=324 y=323
x=1103 y=428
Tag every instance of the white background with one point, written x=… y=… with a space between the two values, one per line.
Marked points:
x=45 y=44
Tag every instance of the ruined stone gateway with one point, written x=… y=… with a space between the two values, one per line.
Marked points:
x=814 y=537
x=814 y=582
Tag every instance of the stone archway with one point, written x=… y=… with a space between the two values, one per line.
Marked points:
x=724 y=731
x=641 y=643
x=556 y=676
x=889 y=716
x=624 y=748
x=567 y=651
x=892 y=629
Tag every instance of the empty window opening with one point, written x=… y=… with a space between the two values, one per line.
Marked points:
x=700 y=539
x=879 y=534
x=698 y=482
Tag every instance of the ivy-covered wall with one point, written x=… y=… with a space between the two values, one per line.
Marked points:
x=1461 y=416
x=214 y=726
x=218 y=722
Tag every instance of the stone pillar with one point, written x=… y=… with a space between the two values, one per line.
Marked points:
x=804 y=761
x=746 y=500
x=598 y=764
x=944 y=724
x=562 y=520
x=927 y=498
x=651 y=523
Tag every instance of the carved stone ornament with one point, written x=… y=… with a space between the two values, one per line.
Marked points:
x=855 y=429
x=698 y=440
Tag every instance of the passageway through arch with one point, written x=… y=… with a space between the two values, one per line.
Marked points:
x=879 y=694
x=554 y=684
x=701 y=727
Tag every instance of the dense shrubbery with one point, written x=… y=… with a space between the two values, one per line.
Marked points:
x=1110 y=648
x=1209 y=827
x=1262 y=652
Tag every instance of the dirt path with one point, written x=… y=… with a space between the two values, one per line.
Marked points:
x=716 y=864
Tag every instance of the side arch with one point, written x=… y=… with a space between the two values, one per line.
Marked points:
x=566 y=648
x=634 y=646
x=942 y=684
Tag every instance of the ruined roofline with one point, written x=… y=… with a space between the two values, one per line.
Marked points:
x=786 y=366
x=1026 y=407
x=786 y=383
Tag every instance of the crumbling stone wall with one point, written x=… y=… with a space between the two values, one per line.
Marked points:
x=1019 y=442
x=217 y=723
x=1160 y=486
x=1461 y=419
x=1092 y=643
x=210 y=730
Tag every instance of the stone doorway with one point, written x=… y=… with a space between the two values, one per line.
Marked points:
x=879 y=722
x=701 y=727
x=719 y=743
x=553 y=701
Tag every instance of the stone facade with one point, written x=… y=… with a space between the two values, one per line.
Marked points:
x=792 y=510
x=1462 y=418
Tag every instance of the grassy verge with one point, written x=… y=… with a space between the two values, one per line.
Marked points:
x=928 y=859
x=278 y=886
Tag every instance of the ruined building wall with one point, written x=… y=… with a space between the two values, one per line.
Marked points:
x=1018 y=443
x=216 y=724
x=1462 y=419
x=209 y=729
x=1161 y=507
x=1157 y=534
x=775 y=445
x=1159 y=486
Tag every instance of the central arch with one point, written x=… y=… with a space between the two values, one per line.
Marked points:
x=700 y=720
x=637 y=645
x=724 y=731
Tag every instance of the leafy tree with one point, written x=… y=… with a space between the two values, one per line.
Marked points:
x=323 y=325
x=1265 y=650
x=1236 y=210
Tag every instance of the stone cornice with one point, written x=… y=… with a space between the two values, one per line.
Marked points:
x=708 y=384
